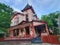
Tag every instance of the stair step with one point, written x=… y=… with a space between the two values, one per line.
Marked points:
x=36 y=40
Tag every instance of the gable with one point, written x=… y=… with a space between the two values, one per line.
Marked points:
x=16 y=14
x=27 y=7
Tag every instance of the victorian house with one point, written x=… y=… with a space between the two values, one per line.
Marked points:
x=26 y=25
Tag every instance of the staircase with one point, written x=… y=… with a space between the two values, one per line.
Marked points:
x=36 y=40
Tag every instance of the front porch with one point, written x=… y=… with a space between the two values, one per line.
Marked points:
x=25 y=30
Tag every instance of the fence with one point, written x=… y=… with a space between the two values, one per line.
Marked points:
x=53 y=39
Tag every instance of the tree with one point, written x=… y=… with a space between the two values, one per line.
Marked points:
x=52 y=20
x=5 y=14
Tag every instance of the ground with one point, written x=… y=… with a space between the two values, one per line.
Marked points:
x=17 y=43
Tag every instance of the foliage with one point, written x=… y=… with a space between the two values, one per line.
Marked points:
x=5 y=14
x=52 y=20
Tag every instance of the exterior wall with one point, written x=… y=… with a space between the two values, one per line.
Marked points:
x=24 y=18
x=17 y=19
x=13 y=21
x=21 y=18
x=30 y=14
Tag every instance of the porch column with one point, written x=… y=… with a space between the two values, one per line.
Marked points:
x=47 y=29
x=24 y=32
x=11 y=33
x=32 y=31
x=20 y=33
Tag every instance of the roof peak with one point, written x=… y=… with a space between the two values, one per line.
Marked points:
x=28 y=6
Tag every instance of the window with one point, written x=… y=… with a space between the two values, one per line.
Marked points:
x=26 y=17
x=16 y=32
x=16 y=21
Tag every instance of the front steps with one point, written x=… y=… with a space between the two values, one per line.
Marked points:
x=36 y=40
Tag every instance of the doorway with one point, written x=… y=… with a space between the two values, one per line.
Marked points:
x=39 y=29
x=27 y=30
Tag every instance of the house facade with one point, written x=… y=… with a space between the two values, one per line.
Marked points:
x=26 y=25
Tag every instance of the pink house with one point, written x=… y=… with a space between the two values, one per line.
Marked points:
x=26 y=25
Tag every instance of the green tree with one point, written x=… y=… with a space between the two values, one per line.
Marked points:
x=5 y=14
x=52 y=20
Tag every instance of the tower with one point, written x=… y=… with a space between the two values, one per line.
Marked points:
x=29 y=12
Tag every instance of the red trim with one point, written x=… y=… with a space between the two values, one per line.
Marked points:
x=39 y=21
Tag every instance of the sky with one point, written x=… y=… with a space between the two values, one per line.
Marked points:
x=41 y=7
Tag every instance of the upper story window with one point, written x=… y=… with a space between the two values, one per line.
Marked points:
x=27 y=18
x=16 y=20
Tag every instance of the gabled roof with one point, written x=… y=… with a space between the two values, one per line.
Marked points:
x=30 y=22
x=16 y=13
x=41 y=21
x=28 y=7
